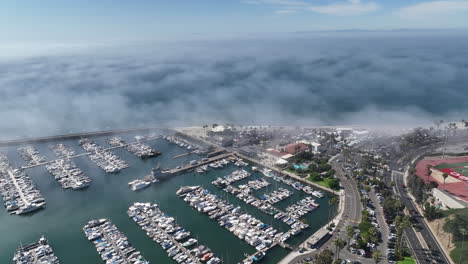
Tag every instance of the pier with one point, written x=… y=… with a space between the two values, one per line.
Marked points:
x=107 y=238
x=178 y=171
x=35 y=253
x=19 y=193
x=164 y=230
x=183 y=155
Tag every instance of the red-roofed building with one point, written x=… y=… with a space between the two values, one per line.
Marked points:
x=295 y=148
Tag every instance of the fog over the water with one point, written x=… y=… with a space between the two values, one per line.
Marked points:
x=338 y=78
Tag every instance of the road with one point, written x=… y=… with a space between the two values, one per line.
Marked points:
x=435 y=254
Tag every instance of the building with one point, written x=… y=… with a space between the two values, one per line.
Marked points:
x=223 y=141
x=248 y=151
x=315 y=146
x=445 y=201
x=295 y=148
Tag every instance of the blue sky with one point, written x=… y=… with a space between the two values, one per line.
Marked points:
x=115 y=20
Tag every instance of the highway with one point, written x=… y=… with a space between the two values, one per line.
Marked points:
x=434 y=253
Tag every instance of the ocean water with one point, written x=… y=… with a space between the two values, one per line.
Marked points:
x=109 y=196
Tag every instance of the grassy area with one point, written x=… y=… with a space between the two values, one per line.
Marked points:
x=407 y=260
x=461 y=217
x=323 y=182
x=455 y=254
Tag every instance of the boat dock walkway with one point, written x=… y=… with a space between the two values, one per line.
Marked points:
x=83 y=154
x=18 y=188
x=274 y=244
x=180 y=246
x=183 y=154
x=177 y=171
x=259 y=201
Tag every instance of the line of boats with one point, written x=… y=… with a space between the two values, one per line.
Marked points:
x=235 y=176
x=182 y=143
x=103 y=158
x=295 y=184
x=246 y=227
x=68 y=174
x=62 y=151
x=39 y=252
x=138 y=149
x=111 y=244
x=19 y=192
x=276 y=196
x=31 y=155
x=254 y=185
x=302 y=207
x=173 y=238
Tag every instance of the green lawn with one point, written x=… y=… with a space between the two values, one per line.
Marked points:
x=455 y=253
x=407 y=260
x=323 y=182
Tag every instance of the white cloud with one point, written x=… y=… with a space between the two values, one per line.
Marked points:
x=283 y=12
x=349 y=8
x=433 y=8
x=346 y=8
x=276 y=2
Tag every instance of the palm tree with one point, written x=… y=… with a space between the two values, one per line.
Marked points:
x=429 y=171
x=349 y=232
x=339 y=245
x=376 y=256
x=445 y=175
x=331 y=202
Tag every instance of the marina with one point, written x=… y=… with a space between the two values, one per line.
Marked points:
x=39 y=252
x=138 y=149
x=173 y=238
x=99 y=201
x=18 y=190
x=111 y=244
x=104 y=159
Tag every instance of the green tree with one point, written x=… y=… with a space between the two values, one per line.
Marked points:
x=373 y=234
x=429 y=171
x=339 y=245
x=331 y=202
x=349 y=232
x=445 y=175
x=324 y=257
x=376 y=256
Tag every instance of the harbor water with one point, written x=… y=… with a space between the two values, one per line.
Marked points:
x=109 y=196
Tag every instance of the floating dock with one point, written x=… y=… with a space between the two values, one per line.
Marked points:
x=103 y=158
x=111 y=244
x=39 y=252
x=18 y=190
x=164 y=230
x=139 y=149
